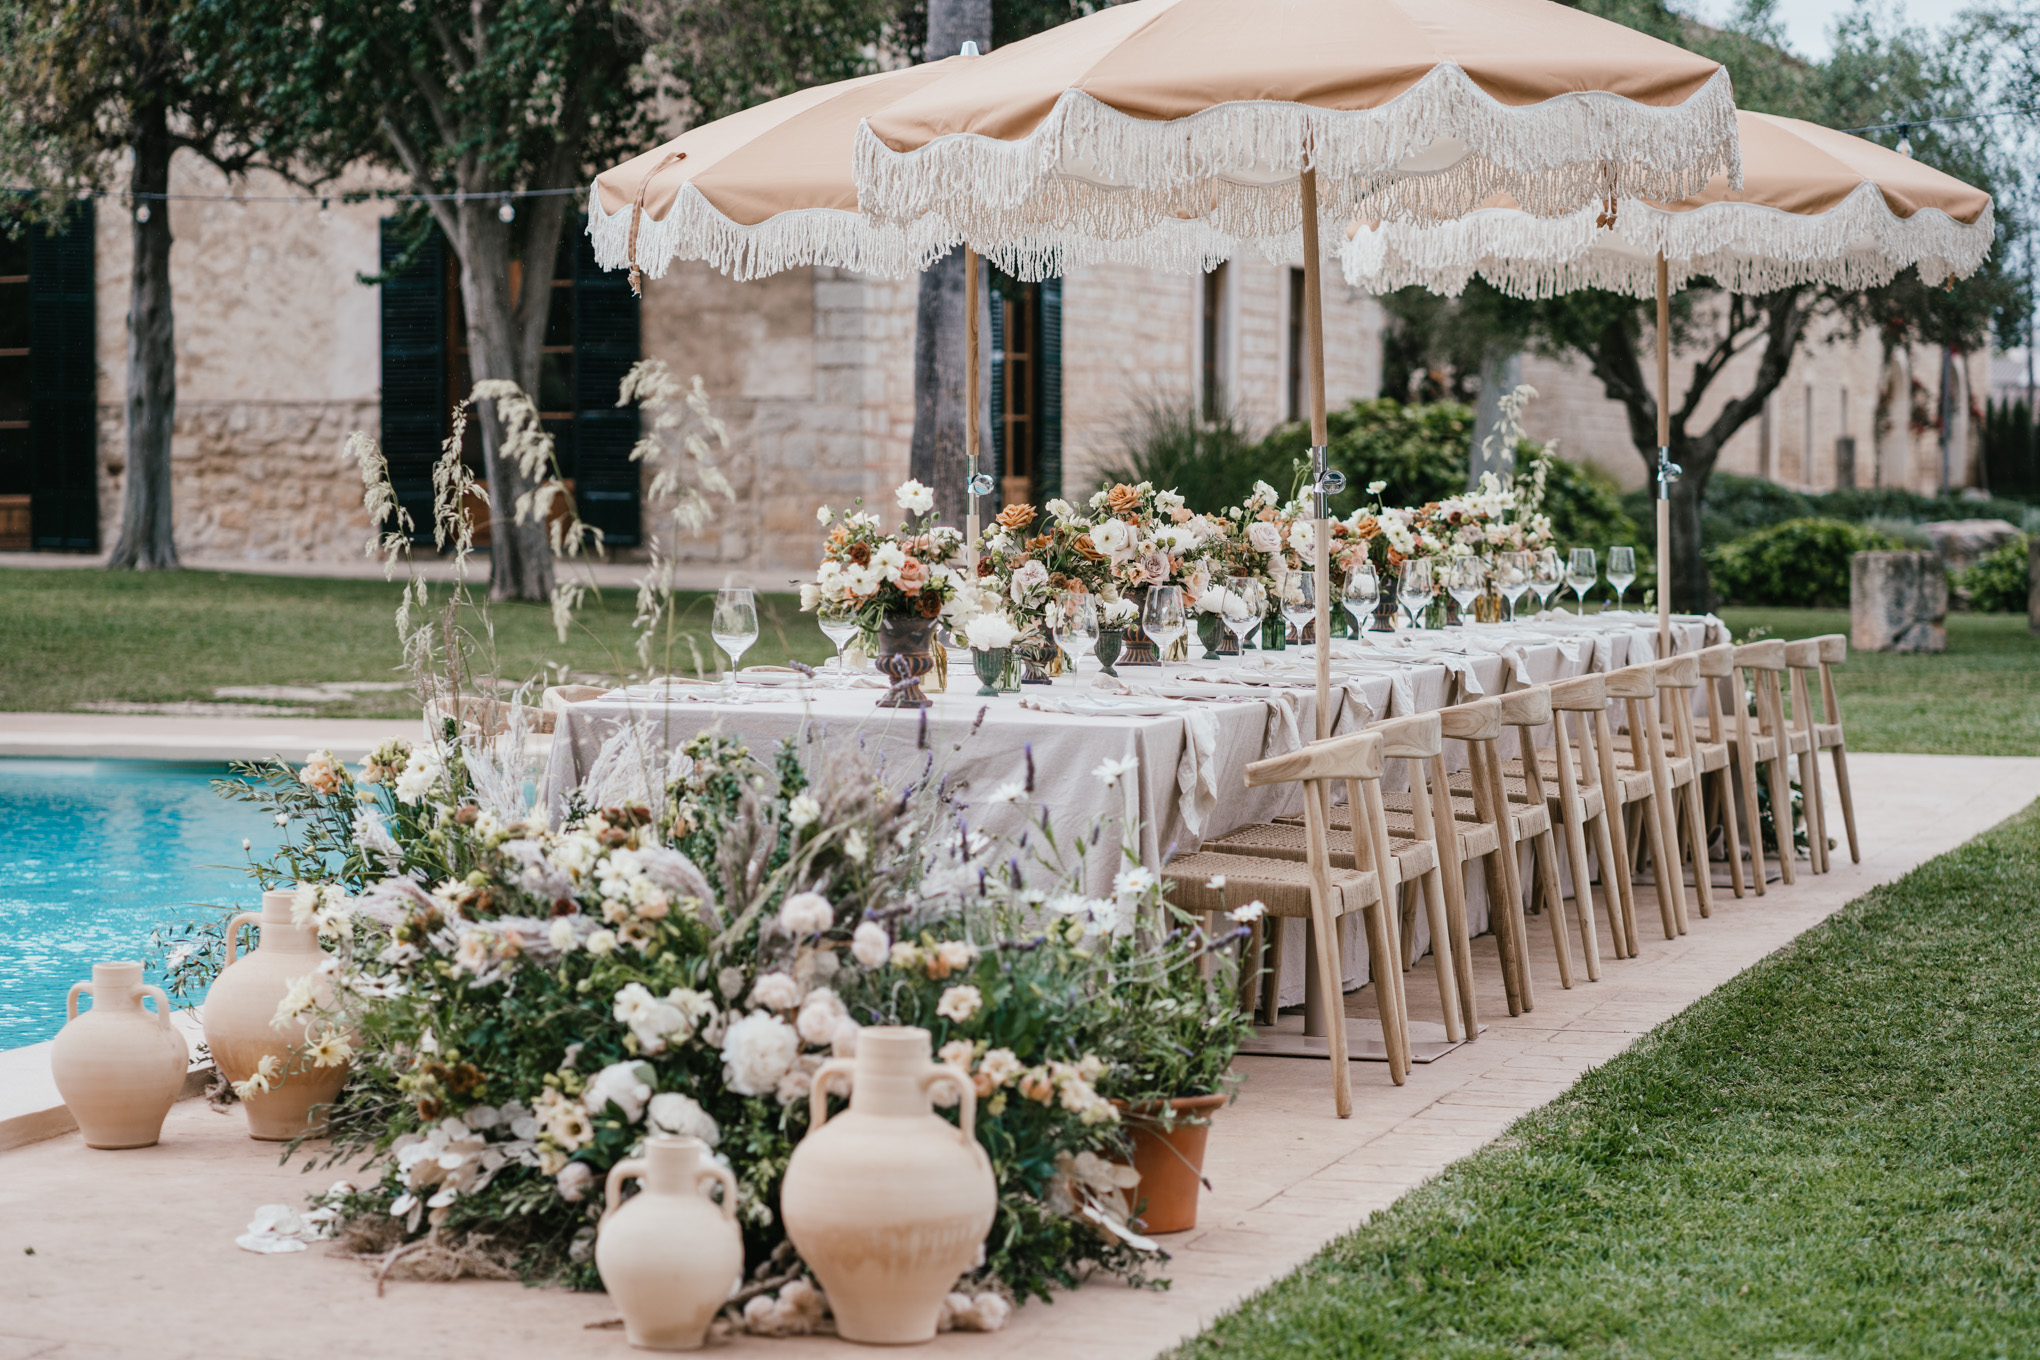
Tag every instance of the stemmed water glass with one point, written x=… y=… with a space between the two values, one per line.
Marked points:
x=1162 y=618
x=1416 y=588
x=1465 y=578
x=1299 y=599
x=734 y=626
x=1078 y=632
x=1580 y=574
x=1246 y=603
x=839 y=625
x=1546 y=575
x=1512 y=577
x=1360 y=595
x=1621 y=571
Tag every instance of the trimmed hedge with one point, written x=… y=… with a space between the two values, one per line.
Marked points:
x=1802 y=562
x=1997 y=584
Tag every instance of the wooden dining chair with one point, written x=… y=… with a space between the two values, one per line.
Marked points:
x=1713 y=751
x=1834 y=651
x=1321 y=886
x=1678 y=678
x=1639 y=777
x=1569 y=770
x=1802 y=666
x=1759 y=743
x=1414 y=740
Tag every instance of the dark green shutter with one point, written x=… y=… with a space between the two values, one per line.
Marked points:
x=63 y=421
x=996 y=463
x=606 y=488
x=414 y=405
x=1048 y=478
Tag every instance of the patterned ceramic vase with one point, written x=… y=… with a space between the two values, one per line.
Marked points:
x=1140 y=648
x=906 y=653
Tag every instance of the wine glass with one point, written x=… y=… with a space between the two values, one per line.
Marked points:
x=839 y=625
x=1246 y=603
x=1162 y=618
x=734 y=626
x=1580 y=574
x=1465 y=578
x=1078 y=632
x=1621 y=571
x=1362 y=592
x=1299 y=599
x=1546 y=574
x=1512 y=577
x=1417 y=588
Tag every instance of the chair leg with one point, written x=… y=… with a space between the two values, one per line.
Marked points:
x=1841 y=755
x=1753 y=823
x=1813 y=786
x=1696 y=834
x=1583 y=892
x=1456 y=1006
x=1617 y=895
x=1271 y=985
x=1387 y=993
x=1781 y=816
x=1325 y=935
x=1724 y=798
x=1412 y=890
x=1664 y=864
x=1543 y=849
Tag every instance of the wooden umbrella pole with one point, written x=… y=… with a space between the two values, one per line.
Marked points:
x=1314 y=337
x=970 y=403
x=1666 y=469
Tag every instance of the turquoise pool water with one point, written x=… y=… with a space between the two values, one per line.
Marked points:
x=94 y=854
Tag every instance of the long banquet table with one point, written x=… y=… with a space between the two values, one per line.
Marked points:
x=1191 y=753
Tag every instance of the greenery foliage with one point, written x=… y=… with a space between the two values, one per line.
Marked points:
x=1998 y=582
x=1800 y=562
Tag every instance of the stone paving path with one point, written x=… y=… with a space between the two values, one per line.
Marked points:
x=134 y=1251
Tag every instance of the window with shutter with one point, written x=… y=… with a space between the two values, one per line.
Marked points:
x=415 y=377
x=605 y=343
x=49 y=422
x=1027 y=388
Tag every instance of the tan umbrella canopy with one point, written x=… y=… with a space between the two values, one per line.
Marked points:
x=1816 y=207
x=1265 y=118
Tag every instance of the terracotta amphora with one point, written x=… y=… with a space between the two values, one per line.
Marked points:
x=888 y=1203
x=240 y=1006
x=671 y=1256
x=118 y=1067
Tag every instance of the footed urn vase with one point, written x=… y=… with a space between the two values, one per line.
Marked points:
x=670 y=1256
x=906 y=652
x=240 y=1006
x=118 y=1067
x=889 y=1202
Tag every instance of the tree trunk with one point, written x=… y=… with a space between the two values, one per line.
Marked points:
x=520 y=558
x=1690 y=590
x=937 y=457
x=146 y=538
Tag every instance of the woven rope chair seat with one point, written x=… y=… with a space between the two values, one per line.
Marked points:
x=1284 y=840
x=1281 y=885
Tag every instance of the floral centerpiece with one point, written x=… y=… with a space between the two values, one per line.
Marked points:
x=897 y=585
x=1029 y=571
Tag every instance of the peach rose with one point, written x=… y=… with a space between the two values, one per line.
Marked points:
x=1016 y=517
x=1123 y=499
x=913 y=575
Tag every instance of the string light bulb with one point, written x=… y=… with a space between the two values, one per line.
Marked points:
x=1904 y=147
x=142 y=213
x=507 y=213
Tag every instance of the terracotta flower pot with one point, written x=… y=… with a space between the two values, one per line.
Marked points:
x=240 y=1006
x=118 y=1068
x=1170 y=1161
x=670 y=1257
x=888 y=1203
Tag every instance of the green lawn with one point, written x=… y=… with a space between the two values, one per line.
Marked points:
x=1835 y=1155
x=1980 y=697
x=69 y=637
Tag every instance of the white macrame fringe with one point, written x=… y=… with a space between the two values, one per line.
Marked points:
x=1744 y=247
x=1099 y=174
x=694 y=230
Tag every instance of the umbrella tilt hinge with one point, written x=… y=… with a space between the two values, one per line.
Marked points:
x=1324 y=482
x=1667 y=472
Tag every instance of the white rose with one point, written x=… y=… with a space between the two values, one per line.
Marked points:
x=806 y=914
x=1264 y=536
x=819 y=1015
x=869 y=944
x=675 y=1113
x=757 y=1051
x=619 y=1084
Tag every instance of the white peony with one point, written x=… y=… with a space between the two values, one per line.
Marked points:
x=869 y=944
x=819 y=1015
x=673 y=1112
x=806 y=914
x=915 y=498
x=758 y=1049
x=989 y=632
x=776 y=991
x=1028 y=577
x=622 y=1085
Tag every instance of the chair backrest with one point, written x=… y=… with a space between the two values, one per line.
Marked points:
x=1416 y=737
x=1633 y=682
x=1716 y=662
x=1678 y=672
x=1526 y=707
x=1581 y=694
x=1477 y=720
x=1803 y=654
x=1356 y=756
x=1834 y=648
x=1768 y=655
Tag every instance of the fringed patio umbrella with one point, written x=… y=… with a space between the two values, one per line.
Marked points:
x=1265 y=120
x=1816 y=207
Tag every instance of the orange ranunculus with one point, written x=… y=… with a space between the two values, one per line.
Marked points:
x=1123 y=499
x=1016 y=517
x=1087 y=549
x=1368 y=527
x=1041 y=544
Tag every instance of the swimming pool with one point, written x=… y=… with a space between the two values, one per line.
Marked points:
x=94 y=854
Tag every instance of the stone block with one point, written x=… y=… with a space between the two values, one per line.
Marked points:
x=1963 y=542
x=1898 y=602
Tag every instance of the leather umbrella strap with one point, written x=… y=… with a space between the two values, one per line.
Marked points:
x=637 y=211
